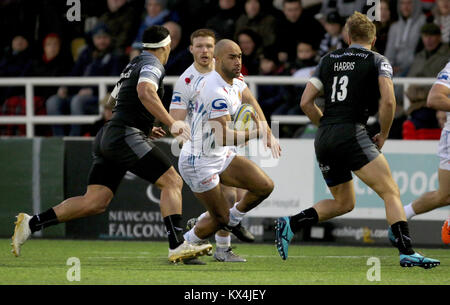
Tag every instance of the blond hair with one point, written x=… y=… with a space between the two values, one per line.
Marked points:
x=360 y=28
x=203 y=33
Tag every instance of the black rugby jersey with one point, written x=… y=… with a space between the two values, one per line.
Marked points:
x=129 y=109
x=350 y=84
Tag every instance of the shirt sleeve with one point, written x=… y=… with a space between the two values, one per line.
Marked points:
x=219 y=106
x=316 y=78
x=384 y=67
x=443 y=77
x=240 y=82
x=150 y=74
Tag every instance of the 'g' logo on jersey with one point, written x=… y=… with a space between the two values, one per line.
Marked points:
x=443 y=76
x=217 y=105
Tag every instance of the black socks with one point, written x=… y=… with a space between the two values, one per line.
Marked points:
x=43 y=220
x=305 y=218
x=403 y=241
x=174 y=230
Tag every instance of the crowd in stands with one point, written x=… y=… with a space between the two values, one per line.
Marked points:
x=279 y=37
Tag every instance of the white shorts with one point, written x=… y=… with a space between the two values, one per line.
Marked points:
x=201 y=174
x=444 y=150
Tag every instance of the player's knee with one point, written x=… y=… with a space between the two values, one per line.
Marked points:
x=266 y=188
x=170 y=179
x=222 y=217
x=97 y=204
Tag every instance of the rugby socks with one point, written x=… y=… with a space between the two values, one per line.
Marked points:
x=401 y=232
x=235 y=216
x=223 y=242
x=43 y=220
x=191 y=237
x=174 y=230
x=303 y=219
x=409 y=211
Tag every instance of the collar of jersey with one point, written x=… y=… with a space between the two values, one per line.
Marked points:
x=224 y=83
x=357 y=46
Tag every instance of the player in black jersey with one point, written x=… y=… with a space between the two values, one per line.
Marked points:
x=355 y=83
x=123 y=145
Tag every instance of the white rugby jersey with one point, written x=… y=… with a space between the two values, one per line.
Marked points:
x=443 y=78
x=186 y=90
x=214 y=99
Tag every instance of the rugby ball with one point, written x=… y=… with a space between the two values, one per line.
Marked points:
x=243 y=118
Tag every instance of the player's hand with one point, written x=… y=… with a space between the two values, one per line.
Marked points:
x=157 y=132
x=379 y=140
x=274 y=146
x=181 y=131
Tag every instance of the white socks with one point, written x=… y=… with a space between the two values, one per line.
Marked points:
x=223 y=242
x=409 y=211
x=190 y=237
x=235 y=216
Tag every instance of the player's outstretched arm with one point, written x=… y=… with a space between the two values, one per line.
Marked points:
x=438 y=98
x=307 y=103
x=151 y=101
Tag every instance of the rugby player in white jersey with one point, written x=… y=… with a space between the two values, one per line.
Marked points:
x=209 y=159
x=181 y=108
x=439 y=99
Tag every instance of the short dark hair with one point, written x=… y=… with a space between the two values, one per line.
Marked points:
x=430 y=29
x=154 y=34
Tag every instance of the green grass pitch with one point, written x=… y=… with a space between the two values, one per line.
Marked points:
x=133 y=263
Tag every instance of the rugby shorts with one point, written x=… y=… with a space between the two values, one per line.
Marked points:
x=119 y=148
x=341 y=149
x=201 y=173
x=444 y=150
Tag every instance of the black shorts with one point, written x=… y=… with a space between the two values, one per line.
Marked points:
x=120 y=148
x=341 y=149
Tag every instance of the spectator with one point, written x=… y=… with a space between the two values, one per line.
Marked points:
x=332 y=40
x=404 y=35
x=271 y=97
x=441 y=13
x=180 y=58
x=250 y=43
x=343 y=7
x=306 y=60
x=383 y=26
x=122 y=22
x=295 y=26
x=16 y=61
x=257 y=20
x=224 y=21
x=106 y=116
x=422 y=122
x=96 y=60
x=435 y=55
x=53 y=62
x=157 y=14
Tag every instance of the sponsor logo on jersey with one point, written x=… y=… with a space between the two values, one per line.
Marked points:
x=443 y=76
x=217 y=105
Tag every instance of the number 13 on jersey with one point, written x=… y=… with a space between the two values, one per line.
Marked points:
x=341 y=94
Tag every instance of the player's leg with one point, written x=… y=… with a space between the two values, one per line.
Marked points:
x=343 y=202
x=103 y=182
x=223 y=252
x=245 y=174
x=156 y=168
x=377 y=175
x=432 y=200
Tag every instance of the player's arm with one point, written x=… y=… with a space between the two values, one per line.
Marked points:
x=226 y=136
x=438 y=97
x=269 y=138
x=386 y=109
x=151 y=101
x=312 y=91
